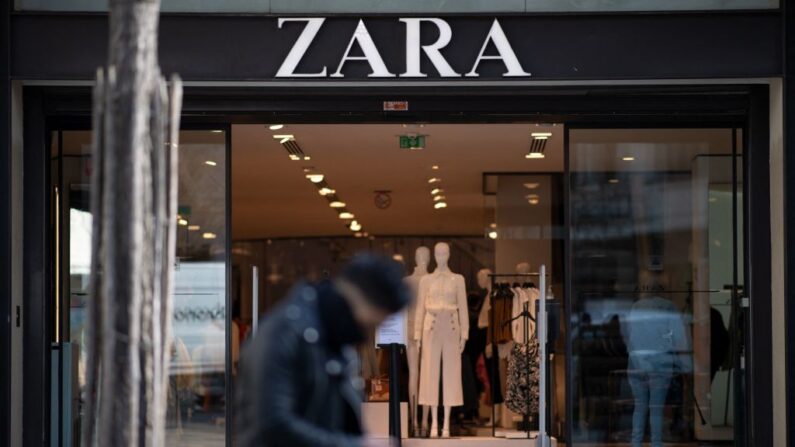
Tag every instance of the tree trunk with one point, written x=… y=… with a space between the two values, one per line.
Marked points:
x=134 y=204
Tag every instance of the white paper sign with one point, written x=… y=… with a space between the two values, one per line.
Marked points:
x=392 y=330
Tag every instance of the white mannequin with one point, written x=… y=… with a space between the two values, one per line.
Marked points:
x=441 y=326
x=422 y=257
x=523 y=268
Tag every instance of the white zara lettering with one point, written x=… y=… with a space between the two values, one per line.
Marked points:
x=298 y=50
x=432 y=51
x=371 y=54
x=414 y=50
x=506 y=54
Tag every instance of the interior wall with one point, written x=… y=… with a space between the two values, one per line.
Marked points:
x=524 y=230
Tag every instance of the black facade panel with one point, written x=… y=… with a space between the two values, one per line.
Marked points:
x=5 y=228
x=550 y=47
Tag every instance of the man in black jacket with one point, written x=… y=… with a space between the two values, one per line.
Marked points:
x=299 y=383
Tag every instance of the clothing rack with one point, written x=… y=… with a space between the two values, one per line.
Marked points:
x=541 y=329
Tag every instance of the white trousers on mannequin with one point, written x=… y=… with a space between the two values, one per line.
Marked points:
x=441 y=338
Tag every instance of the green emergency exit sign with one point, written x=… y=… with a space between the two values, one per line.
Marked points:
x=412 y=142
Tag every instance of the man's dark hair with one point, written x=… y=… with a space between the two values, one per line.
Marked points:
x=380 y=279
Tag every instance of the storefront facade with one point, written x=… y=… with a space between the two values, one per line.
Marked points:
x=607 y=77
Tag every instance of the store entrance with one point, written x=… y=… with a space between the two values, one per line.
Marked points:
x=640 y=231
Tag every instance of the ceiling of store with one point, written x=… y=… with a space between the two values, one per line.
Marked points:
x=272 y=198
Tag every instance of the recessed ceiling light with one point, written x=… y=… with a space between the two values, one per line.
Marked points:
x=440 y=205
x=541 y=134
x=628 y=158
x=434 y=180
x=315 y=178
x=436 y=191
x=493 y=225
x=613 y=180
x=533 y=201
x=210 y=163
x=358 y=234
x=326 y=191
x=534 y=155
x=493 y=234
x=294 y=157
x=355 y=226
x=438 y=198
x=289 y=136
x=532 y=185
x=182 y=222
x=307 y=158
x=531 y=196
x=209 y=236
x=346 y=215
x=216 y=131
x=194 y=228
x=435 y=167
x=276 y=126
x=337 y=204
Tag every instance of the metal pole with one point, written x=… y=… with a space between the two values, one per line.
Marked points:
x=541 y=324
x=394 y=394
x=254 y=299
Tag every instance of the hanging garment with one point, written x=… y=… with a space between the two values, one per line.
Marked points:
x=520 y=297
x=523 y=376
x=501 y=310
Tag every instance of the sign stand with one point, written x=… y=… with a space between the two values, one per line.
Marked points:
x=391 y=335
x=394 y=393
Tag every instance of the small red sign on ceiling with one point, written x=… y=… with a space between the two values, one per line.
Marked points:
x=396 y=106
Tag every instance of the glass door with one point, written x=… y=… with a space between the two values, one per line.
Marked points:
x=655 y=282
x=197 y=395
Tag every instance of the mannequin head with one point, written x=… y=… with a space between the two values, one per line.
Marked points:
x=483 y=278
x=441 y=253
x=422 y=256
x=523 y=267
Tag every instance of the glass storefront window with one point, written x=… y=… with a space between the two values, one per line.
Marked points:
x=197 y=393
x=408 y=6
x=657 y=261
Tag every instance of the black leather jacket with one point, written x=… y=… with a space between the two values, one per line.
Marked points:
x=293 y=391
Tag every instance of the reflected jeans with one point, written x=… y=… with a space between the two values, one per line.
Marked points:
x=649 y=377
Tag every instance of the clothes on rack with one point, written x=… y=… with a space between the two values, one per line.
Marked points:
x=501 y=301
x=523 y=378
x=522 y=295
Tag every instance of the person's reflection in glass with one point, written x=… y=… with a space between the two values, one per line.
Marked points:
x=657 y=344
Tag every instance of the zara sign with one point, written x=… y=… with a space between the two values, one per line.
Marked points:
x=361 y=48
